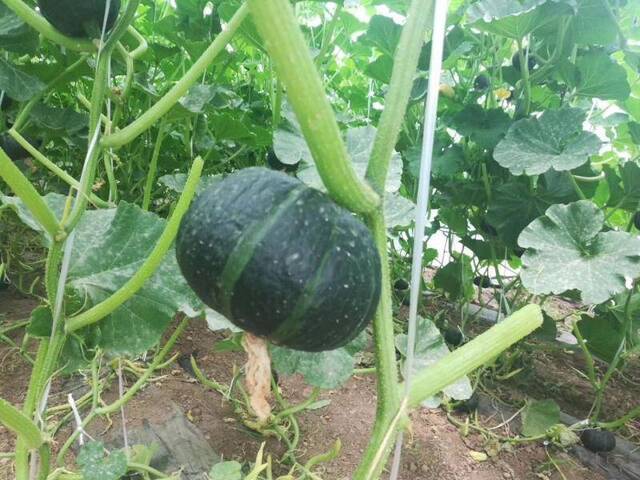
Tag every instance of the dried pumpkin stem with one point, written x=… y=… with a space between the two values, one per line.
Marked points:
x=258 y=375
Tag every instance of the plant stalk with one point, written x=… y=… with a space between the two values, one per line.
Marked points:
x=193 y=75
x=295 y=68
x=404 y=68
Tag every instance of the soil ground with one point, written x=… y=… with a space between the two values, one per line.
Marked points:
x=435 y=449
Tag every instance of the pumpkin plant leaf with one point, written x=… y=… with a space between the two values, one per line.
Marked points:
x=290 y=147
x=231 y=470
x=539 y=416
x=513 y=19
x=602 y=334
x=97 y=465
x=329 y=369
x=110 y=247
x=624 y=190
x=592 y=24
x=601 y=77
x=18 y=85
x=454 y=278
x=485 y=127
x=556 y=141
x=399 y=211
x=430 y=348
x=15 y=34
x=177 y=181
x=566 y=250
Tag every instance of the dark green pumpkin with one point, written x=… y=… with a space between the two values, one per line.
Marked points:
x=280 y=260
x=598 y=440
x=12 y=148
x=79 y=18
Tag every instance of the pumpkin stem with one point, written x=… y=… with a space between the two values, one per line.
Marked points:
x=258 y=375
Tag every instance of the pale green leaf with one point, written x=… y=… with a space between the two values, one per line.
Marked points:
x=539 y=416
x=556 y=141
x=566 y=250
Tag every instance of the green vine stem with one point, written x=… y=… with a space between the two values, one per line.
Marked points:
x=287 y=48
x=23 y=188
x=142 y=47
x=115 y=406
x=194 y=74
x=52 y=167
x=38 y=22
x=153 y=166
x=97 y=101
x=433 y=379
x=20 y=424
x=474 y=354
x=396 y=101
x=150 y=265
x=135 y=388
x=21 y=461
x=620 y=422
x=388 y=397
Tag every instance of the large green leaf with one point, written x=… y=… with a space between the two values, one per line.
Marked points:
x=110 y=247
x=604 y=332
x=603 y=335
x=17 y=84
x=321 y=369
x=601 y=77
x=485 y=127
x=567 y=251
x=230 y=470
x=514 y=19
x=97 y=465
x=58 y=120
x=556 y=141
x=54 y=201
x=593 y=24
x=512 y=208
x=382 y=33
x=430 y=347
x=455 y=278
x=291 y=148
x=539 y=416
x=624 y=191
x=15 y=35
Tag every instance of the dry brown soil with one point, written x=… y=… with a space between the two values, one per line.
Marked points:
x=435 y=450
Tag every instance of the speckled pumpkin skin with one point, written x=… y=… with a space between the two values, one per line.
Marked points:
x=280 y=260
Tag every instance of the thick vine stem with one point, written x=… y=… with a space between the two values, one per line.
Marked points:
x=97 y=100
x=17 y=422
x=194 y=74
x=277 y=25
x=23 y=188
x=397 y=99
x=388 y=398
x=433 y=379
x=150 y=265
x=142 y=47
x=475 y=353
x=39 y=23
